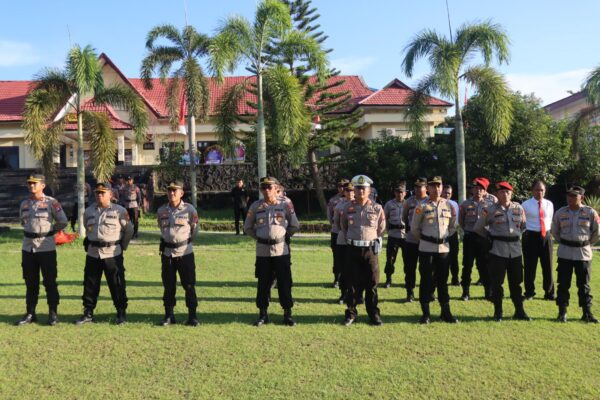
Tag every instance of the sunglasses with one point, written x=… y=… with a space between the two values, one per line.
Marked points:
x=266 y=187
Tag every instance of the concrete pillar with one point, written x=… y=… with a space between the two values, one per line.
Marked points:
x=121 y=148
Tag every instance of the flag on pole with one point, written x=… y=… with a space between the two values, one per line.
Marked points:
x=182 y=129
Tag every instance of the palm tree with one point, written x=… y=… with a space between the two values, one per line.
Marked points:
x=185 y=50
x=582 y=119
x=449 y=59
x=57 y=93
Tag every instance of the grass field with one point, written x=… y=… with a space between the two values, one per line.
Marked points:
x=226 y=357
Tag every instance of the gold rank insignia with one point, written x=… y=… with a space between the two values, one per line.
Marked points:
x=350 y=222
x=279 y=218
x=261 y=220
x=418 y=210
x=361 y=180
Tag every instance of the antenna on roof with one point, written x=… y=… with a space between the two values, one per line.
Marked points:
x=185 y=11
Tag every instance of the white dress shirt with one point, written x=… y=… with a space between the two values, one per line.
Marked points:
x=532 y=214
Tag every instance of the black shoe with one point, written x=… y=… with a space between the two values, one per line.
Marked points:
x=549 y=296
x=341 y=300
x=521 y=315
x=263 y=318
x=193 y=321
x=465 y=296
x=348 y=321
x=455 y=282
x=562 y=314
x=121 y=318
x=287 y=318
x=168 y=320
x=335 y=284
x=447 y=315
x=388 y=284
x=528 y=297
x=425 y=319
x=85 y=318
x=479 y=283
x=376 y=321
x=410 y=296
x=27 y=319
x=588 y=316
x=498 y=312
x=52 y=318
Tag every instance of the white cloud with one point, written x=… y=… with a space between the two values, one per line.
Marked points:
x=352 y=65
x=548 y=87
x=13 y=54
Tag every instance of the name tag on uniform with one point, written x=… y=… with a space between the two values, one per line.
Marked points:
x=181 y=221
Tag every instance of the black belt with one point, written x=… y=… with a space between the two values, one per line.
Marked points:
x=505 y=238
x=176 y=244
x=394 y=226
x=572 y=243
x=270 y=241
x=32 y=235
x=96 y=243
x=431 y=239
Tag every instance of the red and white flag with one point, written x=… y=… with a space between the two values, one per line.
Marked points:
x=181 y=128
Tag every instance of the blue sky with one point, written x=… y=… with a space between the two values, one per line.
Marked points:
x=554 y=44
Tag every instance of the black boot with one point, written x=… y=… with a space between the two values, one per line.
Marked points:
x=88 y=316
x=447 y=315
x=588 y=316
x=520 y=313
x=465 y=296
x=336 y=282
x=192 y=318
x=454 y=282
x=410 y=296
x=562 y=314
x=287 y=317
x=121 y=317
x=27 y=319
x=376 y=320
x=426 y=317
x=263 y=317
x=169 y=317
x=388 y=281
x=52 y=316
x=498 y=311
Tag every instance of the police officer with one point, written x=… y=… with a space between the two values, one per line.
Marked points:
x=334 y=230
x=240 y=198
x=41 y=216
x=575 y=227
x=396 y=231
x=453 y=240
x=341 y=246
x=130 y=197
x=178 y=223
x=269 y=221
x=505 y=221
x=108 y=231
x=363 y=223
x=434 y=221
x=475 y=248
x=410 y=252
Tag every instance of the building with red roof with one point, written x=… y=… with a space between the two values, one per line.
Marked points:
x=382 y=113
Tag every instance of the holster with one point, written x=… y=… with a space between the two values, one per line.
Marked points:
x=86 y=244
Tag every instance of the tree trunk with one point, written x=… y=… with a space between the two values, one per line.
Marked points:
x=316 y=176
x=80 y=176
x=461 y=174
x=192 y=151
x=261 y=141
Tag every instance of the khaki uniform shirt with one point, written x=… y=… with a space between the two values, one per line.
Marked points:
x=470 y=210
x=341 y=238
x=330 y=209
x=408 y=211
x=576 y=226
x=271 y=221
x=41 y=216
x=502 y=221
x=130 y=196
x=177 y=225
x=393 y=216
x=358 y=222
x=110 y=224
x=436 y=220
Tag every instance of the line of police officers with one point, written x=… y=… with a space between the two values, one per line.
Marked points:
x=420 y=226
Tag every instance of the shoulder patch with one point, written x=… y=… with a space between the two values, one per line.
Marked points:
x=418 y=210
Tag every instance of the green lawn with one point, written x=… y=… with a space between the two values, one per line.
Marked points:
x=226 y=357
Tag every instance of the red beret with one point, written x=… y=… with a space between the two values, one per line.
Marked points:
x=483 y=182
x=503 y=185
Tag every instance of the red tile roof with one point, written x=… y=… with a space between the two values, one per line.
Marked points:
x=396 y=93
x=115 y=122
x=12 y=99
x=566 y=101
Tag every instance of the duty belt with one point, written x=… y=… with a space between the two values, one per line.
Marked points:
x=270 y=241
x=32 y=235
x=431 y=239
x=572 y=243
x=505 y=238
x=360 y=243
x=97 y=243
x=395 y=226
x=176 y=244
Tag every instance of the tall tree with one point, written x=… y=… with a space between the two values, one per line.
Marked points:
x=582 y=119
x=55 y=94
x=450 y=62
x=185 y=50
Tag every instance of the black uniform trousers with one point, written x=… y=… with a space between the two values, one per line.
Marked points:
x=537 y=247
x=453 y=243
x=33 y=264
x=239 y=213
x=266 y=267
x=186 y=267
x=337 y=261
x=115 y=277
x=583 y=270
x=475 y=249
x=434 y=269
x=410 y=257
x=498 y=268
x=391 y=253
x=362 y=273
x=134 y=214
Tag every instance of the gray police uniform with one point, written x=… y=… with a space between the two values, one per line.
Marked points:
x=109 y=231
x=178 y=227
x=575 y=231
x=340 y=249
x=130 y=197
x=40 y=219
x=396 y=234
x=333 y=202
x=410 y=252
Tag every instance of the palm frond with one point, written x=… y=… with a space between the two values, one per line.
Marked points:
x=233 y=41
x=123 y=97
x=496 y=101
x=174 y=91
x=161 y=59
x=417 y=109
x=196 y=88
x=592 y=87
x=486 y=38
x=420 y=46
x=101 y=138
x=84 y=70
x=166 y=31
x=580 y=121
x=272 y=20
x=299 y=45
x=227 y=117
